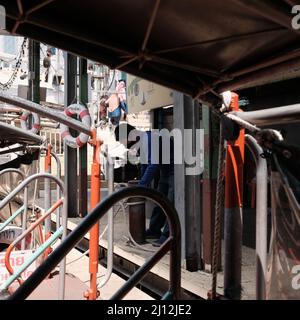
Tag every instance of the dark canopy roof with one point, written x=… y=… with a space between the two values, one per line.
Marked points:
x=200 y=47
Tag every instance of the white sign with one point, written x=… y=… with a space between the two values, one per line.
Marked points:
x=17 y=258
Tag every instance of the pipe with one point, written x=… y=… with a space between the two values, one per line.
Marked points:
x=266 y=117
x=26 y=135
x=92 y=293
x=32 y=258
x=58 y=192
x=233 y=212
x=44 y=111
x=11 y=218
x=47 y=194
x=261 y=216
x=110 y=230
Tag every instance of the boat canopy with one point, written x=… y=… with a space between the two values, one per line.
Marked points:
x=199 y=47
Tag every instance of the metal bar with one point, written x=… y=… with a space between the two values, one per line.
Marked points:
x=44 y=246
x=24 y=216
x=142 y=271
x=24 y=234
x=47 y=193
x=192 y=189
x=24 y=183
x=83 y=151
x=75 y=35
x=272 y=116
x=25 y=206
x=11 y=218
x=219 y=40
x=97 y=213
x=110 y=223
x=150 y=24
x=38 y=6
x=44 y=111
x=261 y=216
x=31 y=137
x=270 y=11
x=93 y=293
x=70 y=161
x=58 y=191
x=261 y=76
x=233 y=212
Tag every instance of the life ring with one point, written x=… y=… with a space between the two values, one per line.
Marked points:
x=36 y=126
x=83 y=113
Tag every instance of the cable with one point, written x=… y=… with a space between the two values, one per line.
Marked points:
x=7 y=85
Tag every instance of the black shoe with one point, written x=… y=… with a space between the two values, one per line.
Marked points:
x=159 y=242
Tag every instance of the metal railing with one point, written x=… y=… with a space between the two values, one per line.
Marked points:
x=63 y=223
x=172 y=244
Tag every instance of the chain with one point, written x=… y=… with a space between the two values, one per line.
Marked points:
x=7 y=85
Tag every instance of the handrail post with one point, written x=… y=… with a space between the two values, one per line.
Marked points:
x=261 y=216
x=47 y=194
x=93 y=292
x=233 y=211
x=110 y=223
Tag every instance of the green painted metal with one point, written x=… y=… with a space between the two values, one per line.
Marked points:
x=34 y=256
x=167 y=296
x=11 y=218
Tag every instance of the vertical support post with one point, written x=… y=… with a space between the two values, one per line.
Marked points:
x=211 y=142
x=93 y=292
x=83 y=154
x=71 y=153
x=34 y=71
x=233 y=211
x=192 y=184
x=47 y=193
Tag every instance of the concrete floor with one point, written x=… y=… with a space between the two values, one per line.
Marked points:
x=198 y=283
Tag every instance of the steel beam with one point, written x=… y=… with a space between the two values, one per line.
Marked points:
x=71 y=153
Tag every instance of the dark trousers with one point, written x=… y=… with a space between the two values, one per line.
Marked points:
x=158 y=217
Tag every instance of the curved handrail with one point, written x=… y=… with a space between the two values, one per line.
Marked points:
x=19 y=188
x=24 y=234
x=24 y=183
x=173 y=244
x=25 y=201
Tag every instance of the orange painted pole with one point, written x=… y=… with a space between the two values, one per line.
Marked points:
x=93 y=292
x=233 y=211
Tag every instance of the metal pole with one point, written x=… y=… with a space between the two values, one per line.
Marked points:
x=261 y=216
x=71 y=153
x=83 y=154
x=192 y=188
x=110 y=230
x=47 y=193
x=233 y=212
x=93 y=293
